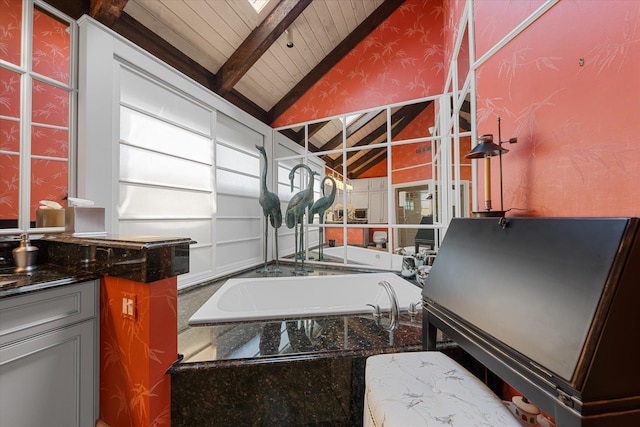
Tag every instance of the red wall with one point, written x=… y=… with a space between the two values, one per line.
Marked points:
x=578 y=152
x=135 y=353
x=400 y=60
x=577 y=126
x=403 y=59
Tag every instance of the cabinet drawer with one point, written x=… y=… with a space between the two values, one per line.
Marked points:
x=31 y=314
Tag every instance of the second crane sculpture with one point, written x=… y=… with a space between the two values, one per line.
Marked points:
x=319 y=207
x=296 y=209
x=270 y=209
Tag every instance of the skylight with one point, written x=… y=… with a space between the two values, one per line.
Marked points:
x=258 y=5
x=351 y=118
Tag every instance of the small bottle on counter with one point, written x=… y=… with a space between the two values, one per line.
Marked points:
x=25 y=255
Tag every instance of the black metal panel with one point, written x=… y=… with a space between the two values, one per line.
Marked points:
x=534 y=285
x=548 y=304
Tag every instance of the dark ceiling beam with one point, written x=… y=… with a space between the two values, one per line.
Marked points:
x=378 y=16
x=465 y=111
x=365 y=162
x=258 y=42
x=107 y=11
x=399 y=120
x=298 y=137
x=131 y=29
x=74 y=9
x=245 y=104
x=464 y=124
x=353 y=127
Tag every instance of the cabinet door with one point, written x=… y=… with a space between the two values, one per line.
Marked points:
x=377 y=207
x=360 y=200
x=376 y=184
x=48 y=380
x=360 y=185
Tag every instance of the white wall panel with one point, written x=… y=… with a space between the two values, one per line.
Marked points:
x=198 y=230
x=149 y=202
x=239 y=229
x=232 y=183
x=149 y=137
x=228 y=205
x=237 y=160
x=232 y=132
x=200 y=266
x=238 y=253
x=149 y=167
x=154 y=134
x=156 y=98
x=200 y=258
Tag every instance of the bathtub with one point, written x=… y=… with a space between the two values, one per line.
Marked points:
x=284 y=298
x=364 y=256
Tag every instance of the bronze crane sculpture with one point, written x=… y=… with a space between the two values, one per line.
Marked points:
x=319 y=207
x=270 y=209
x=296 y=208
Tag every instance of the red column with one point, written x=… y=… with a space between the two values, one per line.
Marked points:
x=136 y=350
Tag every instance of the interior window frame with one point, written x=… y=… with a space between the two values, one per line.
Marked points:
x=25 y=223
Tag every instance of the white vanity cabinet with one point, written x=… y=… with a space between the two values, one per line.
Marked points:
x=48 y=357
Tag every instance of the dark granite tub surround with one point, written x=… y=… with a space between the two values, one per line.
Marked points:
x=290 y=373
x=327 y=337
x=307 y=372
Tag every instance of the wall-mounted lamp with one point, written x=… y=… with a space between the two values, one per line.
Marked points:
x=486 y=149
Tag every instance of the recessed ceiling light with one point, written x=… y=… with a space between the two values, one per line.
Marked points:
x=258 y=5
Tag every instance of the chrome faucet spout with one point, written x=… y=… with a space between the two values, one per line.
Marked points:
x=413 y=310
x=394 y=315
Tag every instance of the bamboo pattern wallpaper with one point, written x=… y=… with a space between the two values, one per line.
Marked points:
x=135 y=354
x=568 y=88
x=50 y=108
x=400 y=60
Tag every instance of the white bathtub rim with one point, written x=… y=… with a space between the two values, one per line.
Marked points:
x=384 y=258
x=211 y=312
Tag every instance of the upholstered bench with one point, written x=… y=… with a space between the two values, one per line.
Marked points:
x=428 y=389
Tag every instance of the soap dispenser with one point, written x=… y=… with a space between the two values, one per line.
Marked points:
x=25 y=255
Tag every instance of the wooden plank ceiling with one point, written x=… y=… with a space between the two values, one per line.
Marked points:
x=243 y=56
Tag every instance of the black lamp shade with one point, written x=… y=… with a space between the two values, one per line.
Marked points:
x=485 y=148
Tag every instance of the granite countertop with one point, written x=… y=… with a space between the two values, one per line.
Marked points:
x=43 y=277
x=119 y=240
x=65 y=259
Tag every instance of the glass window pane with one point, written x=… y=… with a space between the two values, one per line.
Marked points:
x=48 y=182
x=51 y=42
x=9 y=189
x=412 y=162
x=11 y=30
x=9 y=135
x=9 y=93
x=49 y=142
x=50 y=105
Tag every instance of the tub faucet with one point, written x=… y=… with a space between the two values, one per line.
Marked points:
x=413 y=310
x=394 y=316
